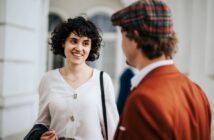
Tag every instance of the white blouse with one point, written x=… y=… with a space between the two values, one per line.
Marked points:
x=77 y=113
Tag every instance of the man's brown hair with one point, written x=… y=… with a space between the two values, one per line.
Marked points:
x=154 y=47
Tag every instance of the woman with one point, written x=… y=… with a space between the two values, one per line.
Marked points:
x=70 y=98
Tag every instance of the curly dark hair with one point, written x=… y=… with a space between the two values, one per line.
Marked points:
x=81 y=27
x=154 y=47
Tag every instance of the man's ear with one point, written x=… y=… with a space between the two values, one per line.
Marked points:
x=136 y=32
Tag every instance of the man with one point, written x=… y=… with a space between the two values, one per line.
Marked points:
x=164 y=104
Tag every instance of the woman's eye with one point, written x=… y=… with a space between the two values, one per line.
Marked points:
x=73 y=41
x=86 y=43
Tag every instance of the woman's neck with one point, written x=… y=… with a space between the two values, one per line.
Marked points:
x=75 y=69
x=76 y=75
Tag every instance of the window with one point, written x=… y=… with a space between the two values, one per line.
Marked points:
x=54 y=61
x=103 y=21
x=107 y=60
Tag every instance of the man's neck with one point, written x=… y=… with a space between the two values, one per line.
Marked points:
x=144 y=61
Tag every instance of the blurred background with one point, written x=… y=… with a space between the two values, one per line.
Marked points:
x=25 y=27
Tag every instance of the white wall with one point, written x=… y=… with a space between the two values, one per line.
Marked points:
x=23 y=30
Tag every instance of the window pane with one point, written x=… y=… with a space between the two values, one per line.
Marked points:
x=103 y=21
x=54 y=20
x=58 y=61
x=109 y=54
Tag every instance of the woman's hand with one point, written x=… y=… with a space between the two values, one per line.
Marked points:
x=49 y=135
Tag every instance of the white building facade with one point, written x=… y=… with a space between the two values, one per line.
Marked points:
x=23 y=31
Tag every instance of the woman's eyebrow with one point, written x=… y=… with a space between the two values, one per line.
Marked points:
x=74 y=36
x=87 y=39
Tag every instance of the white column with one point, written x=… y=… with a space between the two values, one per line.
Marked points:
x=209 y=49
x=209 y=57
x=181 y=12
x=198 y=41
x=210 y=41
x=23 y=45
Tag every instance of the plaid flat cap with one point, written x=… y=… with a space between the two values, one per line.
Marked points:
x=150 y=17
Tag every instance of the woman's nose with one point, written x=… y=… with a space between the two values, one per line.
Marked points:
x=79 y=46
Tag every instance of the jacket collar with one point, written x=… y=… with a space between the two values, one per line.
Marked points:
x=135 y=81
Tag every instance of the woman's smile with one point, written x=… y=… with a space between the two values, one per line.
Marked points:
x=76 y=54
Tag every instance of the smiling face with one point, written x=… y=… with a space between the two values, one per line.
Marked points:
x=77 y=48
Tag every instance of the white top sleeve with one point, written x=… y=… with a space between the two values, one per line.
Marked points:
x=111 y=108
x=44 y=115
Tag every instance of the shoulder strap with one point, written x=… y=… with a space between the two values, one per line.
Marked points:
x=103 y=103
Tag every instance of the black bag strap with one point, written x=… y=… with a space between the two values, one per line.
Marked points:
x=103 y=104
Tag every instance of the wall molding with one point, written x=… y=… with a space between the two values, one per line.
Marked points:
x=17 y=100
x=16 y=26
x=15 y=61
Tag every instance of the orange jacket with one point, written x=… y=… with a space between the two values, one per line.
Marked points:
x=166 y=105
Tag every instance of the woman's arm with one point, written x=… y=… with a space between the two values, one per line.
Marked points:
x=43 y=115
x=111 y=108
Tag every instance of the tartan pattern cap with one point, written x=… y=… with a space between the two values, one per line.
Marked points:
x=150 y=17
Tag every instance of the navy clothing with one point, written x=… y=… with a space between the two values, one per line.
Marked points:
x=125 y=85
